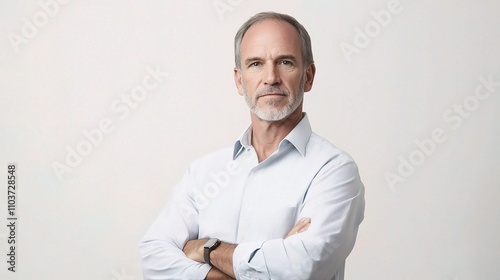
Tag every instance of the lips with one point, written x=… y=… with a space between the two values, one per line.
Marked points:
x=272 y=91
x=272 y=94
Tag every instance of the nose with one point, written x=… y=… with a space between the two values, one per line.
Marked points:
x=272 y=75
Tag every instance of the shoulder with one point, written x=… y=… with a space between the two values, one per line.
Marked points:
x=320 y=147
x=336 y=166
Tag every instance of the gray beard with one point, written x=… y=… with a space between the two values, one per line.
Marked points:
x=275 y=114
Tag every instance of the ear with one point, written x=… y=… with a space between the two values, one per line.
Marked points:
x=237 y=80
x=310 y=72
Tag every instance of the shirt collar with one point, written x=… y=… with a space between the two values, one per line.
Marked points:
x=298 y=137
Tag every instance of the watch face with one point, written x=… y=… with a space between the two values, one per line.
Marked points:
x=211 y=242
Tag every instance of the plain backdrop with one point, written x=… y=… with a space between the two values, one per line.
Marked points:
x=414 y=97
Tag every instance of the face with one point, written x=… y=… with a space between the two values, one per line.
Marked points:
x=272 y=77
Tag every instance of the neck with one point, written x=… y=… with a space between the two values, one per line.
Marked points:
x=266 y=135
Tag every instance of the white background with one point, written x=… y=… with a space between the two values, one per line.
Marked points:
x=439 y=221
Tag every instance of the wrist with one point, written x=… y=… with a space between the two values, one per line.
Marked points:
x=209 y=246
x=222 y=258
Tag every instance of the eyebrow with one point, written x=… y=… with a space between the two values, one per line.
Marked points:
x=287 y=56
x=281 y=57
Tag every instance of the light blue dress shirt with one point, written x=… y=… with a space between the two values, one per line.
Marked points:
x=231 y=196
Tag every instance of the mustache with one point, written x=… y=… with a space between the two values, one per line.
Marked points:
x=271 y=90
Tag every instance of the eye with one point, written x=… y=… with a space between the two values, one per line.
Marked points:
x=286 y=63
x=254 y=64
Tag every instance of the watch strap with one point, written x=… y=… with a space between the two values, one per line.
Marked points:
x=208 y=248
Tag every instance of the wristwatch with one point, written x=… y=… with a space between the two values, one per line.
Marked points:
x=211 y=244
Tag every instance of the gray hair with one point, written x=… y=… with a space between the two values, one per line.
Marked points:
x=307 y=56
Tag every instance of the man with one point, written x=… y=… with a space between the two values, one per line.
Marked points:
x=283 y=203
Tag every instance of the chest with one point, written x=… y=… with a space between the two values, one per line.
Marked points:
x=255 y=203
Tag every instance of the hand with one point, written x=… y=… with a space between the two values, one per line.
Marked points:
x=194 y=249
x=301 y=226
x=221 y=258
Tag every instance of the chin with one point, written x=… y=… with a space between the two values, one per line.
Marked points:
x=272 y=116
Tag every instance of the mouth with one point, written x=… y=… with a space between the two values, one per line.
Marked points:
x=272 y=94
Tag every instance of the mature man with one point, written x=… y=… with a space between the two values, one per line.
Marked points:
x=283 y=203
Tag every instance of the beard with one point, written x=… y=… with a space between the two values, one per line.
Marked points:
x=273 y=112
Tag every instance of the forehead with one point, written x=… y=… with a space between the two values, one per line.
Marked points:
x=271 y=36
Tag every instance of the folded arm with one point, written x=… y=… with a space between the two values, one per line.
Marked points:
x=222 y=257
x=335 y=203
x=161 y=247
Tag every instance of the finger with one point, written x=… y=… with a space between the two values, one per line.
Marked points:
x=305 y=227
x=301 y=226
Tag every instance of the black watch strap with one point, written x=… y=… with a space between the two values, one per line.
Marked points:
x=211 y=244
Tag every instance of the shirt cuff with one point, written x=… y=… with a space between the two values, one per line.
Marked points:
x=199 y=273
x=242 y=256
